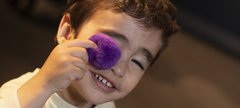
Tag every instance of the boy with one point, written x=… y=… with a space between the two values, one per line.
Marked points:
x=141 y=29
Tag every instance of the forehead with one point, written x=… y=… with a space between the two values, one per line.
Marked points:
x=137 y=35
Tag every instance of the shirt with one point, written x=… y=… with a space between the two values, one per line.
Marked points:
x=9 y=97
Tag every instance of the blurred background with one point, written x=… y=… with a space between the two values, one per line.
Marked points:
x=200 y=68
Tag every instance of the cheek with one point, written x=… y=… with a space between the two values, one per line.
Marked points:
x=131 y=81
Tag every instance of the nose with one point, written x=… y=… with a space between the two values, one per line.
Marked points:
x=119 y=69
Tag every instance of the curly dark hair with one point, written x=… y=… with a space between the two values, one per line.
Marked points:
x=160 y=14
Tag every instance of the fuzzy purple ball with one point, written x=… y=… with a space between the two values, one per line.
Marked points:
x=106 y=55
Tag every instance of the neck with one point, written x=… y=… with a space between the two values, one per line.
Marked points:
x=71 y=96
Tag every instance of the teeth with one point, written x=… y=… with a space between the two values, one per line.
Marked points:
x=109 y=84
x=103 y=81
x=100 y=78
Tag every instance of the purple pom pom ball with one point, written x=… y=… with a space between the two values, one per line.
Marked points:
x=106 y=55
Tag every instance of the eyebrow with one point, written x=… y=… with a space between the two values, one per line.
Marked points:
x=148 y=55
x=116 y=35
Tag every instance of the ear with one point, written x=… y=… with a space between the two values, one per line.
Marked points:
x=65 y=29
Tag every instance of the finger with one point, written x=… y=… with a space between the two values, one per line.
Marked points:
x=81 y=43
x=79 y=53
x=79 y=63
x=77 y=74
x=81 y=74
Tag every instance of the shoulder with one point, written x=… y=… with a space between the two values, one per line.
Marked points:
x=14 y=84
x=8 y=91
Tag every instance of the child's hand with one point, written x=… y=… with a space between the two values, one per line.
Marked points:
x=67 y=62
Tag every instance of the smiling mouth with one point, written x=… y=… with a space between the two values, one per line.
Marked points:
x=103 y=80
x=103 y=83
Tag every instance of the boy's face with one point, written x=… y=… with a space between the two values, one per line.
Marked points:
x=138 y=46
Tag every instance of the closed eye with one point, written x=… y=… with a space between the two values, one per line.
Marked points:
x=138 y=63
